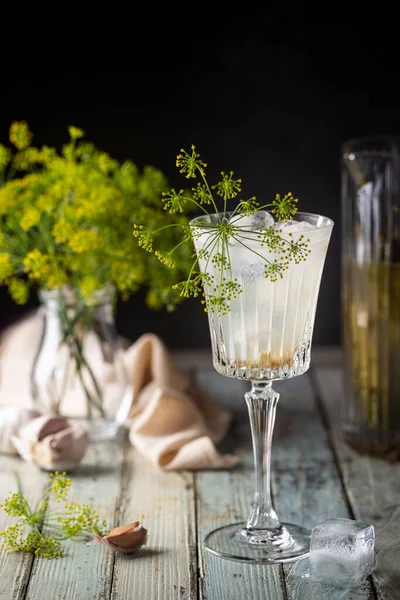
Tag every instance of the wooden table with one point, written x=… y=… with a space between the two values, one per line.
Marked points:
x=315 y=476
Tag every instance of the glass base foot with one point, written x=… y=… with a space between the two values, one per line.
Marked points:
x=235 y=542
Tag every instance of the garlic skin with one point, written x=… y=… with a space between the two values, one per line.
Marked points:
x=52 y=443
x=12 y=418
x=125 y=539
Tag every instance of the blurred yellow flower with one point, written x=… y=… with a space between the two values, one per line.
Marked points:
x=75 y=132
x=4 y=156
x=36 y=264
x=83 y=241
x=66 y=219
x=30 y=217
x=6 y=268
x=63 y=230
x=89 y=284
x=20 y=134
x=19 y=290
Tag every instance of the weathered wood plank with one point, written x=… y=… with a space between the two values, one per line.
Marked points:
x=167 y=566
x=372 y=486
x=305 y=481
x=84 y=572
x=15 y=567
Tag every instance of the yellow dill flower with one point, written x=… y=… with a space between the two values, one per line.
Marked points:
x=83 y=241
x=47 y=155
x=30 y=218
x=36 y=264
x=4 y=156
x=75 y=133
x=26 y=158
x=56 y=276
x=89 y=284
x=8 y=199
x=47 y=203
x=153 y=300
x=20 y=134
x=165 y=258
x=106 y=163
x=6 y=268
x=62 y=231
x=18 y=290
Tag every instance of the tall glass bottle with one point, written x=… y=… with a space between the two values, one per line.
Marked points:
x=370 y=172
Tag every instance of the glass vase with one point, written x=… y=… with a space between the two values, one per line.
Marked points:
x=370 y=170
x=79 y=371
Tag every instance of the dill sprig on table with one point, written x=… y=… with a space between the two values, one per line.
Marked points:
x=40 y=529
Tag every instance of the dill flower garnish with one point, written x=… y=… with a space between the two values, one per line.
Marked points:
x=144 y=237
x=174 y=201
x=284 y=208
x=165 y=258
x=190 y=163
x=211 y=272
x=228 y=187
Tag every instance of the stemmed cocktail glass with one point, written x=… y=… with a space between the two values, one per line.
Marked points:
x=265 y=336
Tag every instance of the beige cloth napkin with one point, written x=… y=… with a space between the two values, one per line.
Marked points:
x=172 y=423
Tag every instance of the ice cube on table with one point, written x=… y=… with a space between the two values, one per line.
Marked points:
x=342 y=552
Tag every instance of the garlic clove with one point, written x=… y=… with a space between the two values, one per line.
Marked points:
x=53 y=443
x=12 y=418
x=62 y=451
x=125 y=539
x=39 y=428
x=131 y=536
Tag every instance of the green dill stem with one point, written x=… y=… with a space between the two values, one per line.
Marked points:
x=18 y=480
x=11 y=172
x=87 y=394
x=94 y=380
x=209 y=191
x=281 y=239
x=197 y=204
x=234 y=212
x=44 y=496
x=18 y=231
x=221 y=267
x=48 y=241
x=197 y=259
x=166 y=227
x=215 y=240
x=229 y=259
x=79 y=356
x=192 y=268
x=264 y=206
x=177 y=246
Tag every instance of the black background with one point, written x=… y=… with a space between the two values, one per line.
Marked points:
x=270 y=92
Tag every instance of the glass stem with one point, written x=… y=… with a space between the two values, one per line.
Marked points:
x=261 y=402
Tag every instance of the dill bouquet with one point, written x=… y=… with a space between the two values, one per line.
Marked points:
x=67 y=219
x=66 y=222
